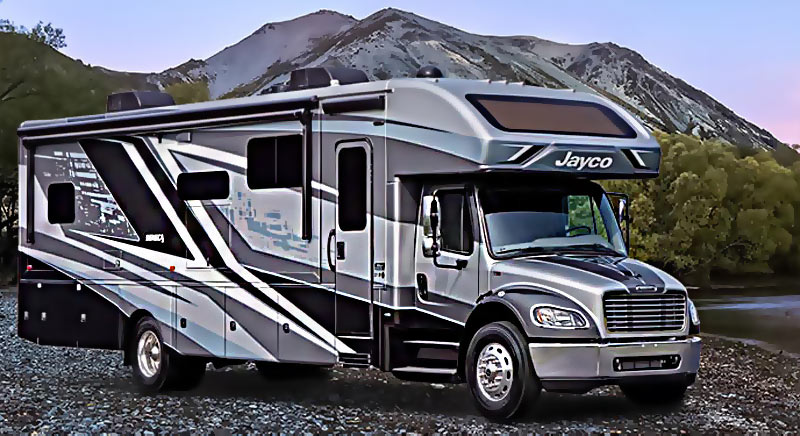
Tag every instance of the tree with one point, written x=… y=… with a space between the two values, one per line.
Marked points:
x=188 y=92
x=45 y=33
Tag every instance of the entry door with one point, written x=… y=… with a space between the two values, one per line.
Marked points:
x=353 y=242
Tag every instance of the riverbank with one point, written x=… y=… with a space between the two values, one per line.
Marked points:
x=740 y=388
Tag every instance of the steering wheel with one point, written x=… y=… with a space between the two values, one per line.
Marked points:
x=572 y=229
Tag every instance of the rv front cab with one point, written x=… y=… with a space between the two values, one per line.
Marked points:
x=547 y=264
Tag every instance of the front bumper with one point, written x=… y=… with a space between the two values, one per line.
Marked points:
x=594 y=363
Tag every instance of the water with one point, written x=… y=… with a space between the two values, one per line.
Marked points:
x=769 y=316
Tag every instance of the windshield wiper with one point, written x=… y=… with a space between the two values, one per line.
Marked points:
x=542 y=250
x=596 y=247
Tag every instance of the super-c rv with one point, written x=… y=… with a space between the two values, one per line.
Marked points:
x=440 y=229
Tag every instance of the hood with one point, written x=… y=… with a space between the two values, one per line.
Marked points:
x=582 y=279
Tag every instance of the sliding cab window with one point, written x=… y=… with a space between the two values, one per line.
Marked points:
x=351 y=174
x=204 y=185
x=552 y=116
x=454 y=221
x=275 y=162
x=61 y=203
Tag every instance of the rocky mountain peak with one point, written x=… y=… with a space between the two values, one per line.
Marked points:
x=395 y=43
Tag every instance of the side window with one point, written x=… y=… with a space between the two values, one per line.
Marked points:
x=454 y=221
x=351 y=175
x=204 y=185
x=275 y=162
x=61 y=203
x=601 y=225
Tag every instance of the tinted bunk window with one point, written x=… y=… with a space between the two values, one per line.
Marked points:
x=206 y=185
x=275 y=162
x=550 y=115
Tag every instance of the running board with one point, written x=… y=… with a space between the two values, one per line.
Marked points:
x=355 y=360
x=425 y=374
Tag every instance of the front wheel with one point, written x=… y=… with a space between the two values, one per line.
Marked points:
x=499 y=371
x=655 y=393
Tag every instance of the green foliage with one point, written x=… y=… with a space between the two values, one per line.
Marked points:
x=188 y=92
x=44 y=33
x=714 y=210
x=38 y=82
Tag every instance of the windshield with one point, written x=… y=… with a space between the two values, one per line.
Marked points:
x=525 y=220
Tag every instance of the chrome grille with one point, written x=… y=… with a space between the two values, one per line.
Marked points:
x=626 y=312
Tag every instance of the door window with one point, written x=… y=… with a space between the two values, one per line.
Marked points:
x=351 y=177
x=454 y=221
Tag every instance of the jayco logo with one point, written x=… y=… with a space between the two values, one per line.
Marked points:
x=154 y=237
x=581 y=162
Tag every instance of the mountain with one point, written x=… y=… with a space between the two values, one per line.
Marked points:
x=395 y=43
x=263 y=54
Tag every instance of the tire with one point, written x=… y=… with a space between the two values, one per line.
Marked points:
x=157 y=368
x=655 y=393
x=499 y=347
x=276 y=370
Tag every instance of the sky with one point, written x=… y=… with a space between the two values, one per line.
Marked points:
x=746 y=54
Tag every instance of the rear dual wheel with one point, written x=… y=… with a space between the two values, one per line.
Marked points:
x=158 y=368
x=500 y=372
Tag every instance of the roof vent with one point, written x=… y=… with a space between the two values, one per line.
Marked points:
x=321 y=77
x=130 y=100
x=429 y=72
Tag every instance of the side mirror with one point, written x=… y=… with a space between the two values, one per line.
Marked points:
x=430 y=225
x=623 y=215
x=435 y=226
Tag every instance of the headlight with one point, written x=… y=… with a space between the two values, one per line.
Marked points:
x=557 y=317
x=693 y=315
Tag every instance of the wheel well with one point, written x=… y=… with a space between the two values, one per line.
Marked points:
x=484 y=314
x=127 y=331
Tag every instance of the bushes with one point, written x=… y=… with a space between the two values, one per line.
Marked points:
x=715 y=210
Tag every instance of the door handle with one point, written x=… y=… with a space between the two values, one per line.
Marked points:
x=422 y=285
x=331 y=236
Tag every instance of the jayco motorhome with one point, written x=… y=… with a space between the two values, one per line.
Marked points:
x=437 y=228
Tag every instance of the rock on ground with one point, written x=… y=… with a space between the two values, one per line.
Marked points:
x=740 y=388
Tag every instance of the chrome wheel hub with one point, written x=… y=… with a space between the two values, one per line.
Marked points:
x=495 y=372
x=148 y=352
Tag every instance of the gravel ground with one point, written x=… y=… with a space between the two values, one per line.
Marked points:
x=741 y=388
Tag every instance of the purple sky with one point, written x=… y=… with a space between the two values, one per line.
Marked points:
x=744 y=53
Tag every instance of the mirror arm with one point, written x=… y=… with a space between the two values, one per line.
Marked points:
x=460 y=263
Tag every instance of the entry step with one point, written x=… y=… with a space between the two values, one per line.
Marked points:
x=355 y=360
x=426 y=374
